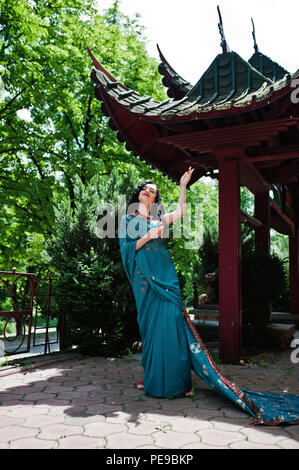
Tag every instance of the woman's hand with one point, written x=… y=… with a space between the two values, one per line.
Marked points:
x=151 y=234
x=186 y=177
x=156 y=232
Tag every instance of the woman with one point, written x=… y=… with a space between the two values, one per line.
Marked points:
x=171 y=347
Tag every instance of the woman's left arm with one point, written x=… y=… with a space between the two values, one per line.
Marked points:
x=171 y=217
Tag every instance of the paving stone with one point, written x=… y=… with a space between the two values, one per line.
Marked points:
x=73 y=411
x=10 y=421
x=32 y=443
x=178 y=404
x=86 y=401
x=11 y=402
x=60 y=380
x=29 y=410
x=190 y=425
x=213 y=402
x=288 y=444
x=251 y=445
x=58 y=431
x=174 y=440
x=8 y=397
x=58 y=388
x=13 y=432
x=228 y=424
x=234 y=412
x=201 y=413
x=138 y=407
x=59 y=410
x=127 y=441
x=88 y=388
x=219 y=438
x=163 y=416
x=53 y=402
x=122 y=417
x=142 y=427
x=82 y=419
x=81 y=442
x=101 y=393
x=70 y=395
x=4 y=445
x=264 y=434
x=200 y=445
x=102 y=429
x=293 y=431
x=101 y=408
x=37 y=421
x=35 y=396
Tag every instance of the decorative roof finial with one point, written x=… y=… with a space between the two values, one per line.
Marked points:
x=254 y=38
x=223 y=43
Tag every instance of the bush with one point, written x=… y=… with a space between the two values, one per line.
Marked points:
x=264 y=284
x=208 y=255
x=92 y=290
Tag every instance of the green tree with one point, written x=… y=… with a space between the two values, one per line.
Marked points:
x=52 y=127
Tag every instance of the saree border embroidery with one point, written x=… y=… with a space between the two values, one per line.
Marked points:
x=240 y=394
x=258 y=418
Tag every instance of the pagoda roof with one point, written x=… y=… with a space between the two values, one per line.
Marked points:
x=266 y=66
x=177 y=86
x=230 y=84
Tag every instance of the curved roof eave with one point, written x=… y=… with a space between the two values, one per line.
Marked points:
x=176 y=111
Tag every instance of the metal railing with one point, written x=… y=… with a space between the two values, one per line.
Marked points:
x=22 y=296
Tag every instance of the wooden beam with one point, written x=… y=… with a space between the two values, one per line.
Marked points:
x=281 y=173
x=283 y=216
x=252 y=178
x=248 y=135
x=252 y=221
x=279 y=153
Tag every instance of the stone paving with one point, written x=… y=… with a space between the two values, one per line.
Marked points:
x=92 y=403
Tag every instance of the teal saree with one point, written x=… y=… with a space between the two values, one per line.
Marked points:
x=171 y=346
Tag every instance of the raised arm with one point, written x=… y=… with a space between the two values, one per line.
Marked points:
x=171 y=217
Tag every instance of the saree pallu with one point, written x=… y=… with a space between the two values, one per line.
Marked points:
x=171 y=346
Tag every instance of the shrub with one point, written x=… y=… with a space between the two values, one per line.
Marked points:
x=264 y=284
x=92 y=290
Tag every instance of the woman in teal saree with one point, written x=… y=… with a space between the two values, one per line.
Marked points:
x=171 y=346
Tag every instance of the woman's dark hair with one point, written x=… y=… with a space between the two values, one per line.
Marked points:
x=157 y=210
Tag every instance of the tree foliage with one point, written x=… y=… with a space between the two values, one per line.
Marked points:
x=52 y=128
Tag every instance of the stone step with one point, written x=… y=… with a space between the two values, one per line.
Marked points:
x=205 y=314
x=284 y=317
x=209 y=331
x=210 y=313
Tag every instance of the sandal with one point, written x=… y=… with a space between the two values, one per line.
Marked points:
x=140 y=386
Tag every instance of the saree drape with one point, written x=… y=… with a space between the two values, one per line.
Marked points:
x=171 y=346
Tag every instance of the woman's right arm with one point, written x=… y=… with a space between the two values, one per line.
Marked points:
x=151 y=234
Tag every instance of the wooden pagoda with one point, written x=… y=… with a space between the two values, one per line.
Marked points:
x=238 y=123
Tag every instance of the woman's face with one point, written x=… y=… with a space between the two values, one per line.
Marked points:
x=148 y=194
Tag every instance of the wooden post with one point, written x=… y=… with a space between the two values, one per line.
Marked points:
x=230 y=320
x=263 y=213
x=294 y=271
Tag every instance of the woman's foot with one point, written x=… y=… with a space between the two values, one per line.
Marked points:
x=140 y=386
x=190 y=393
